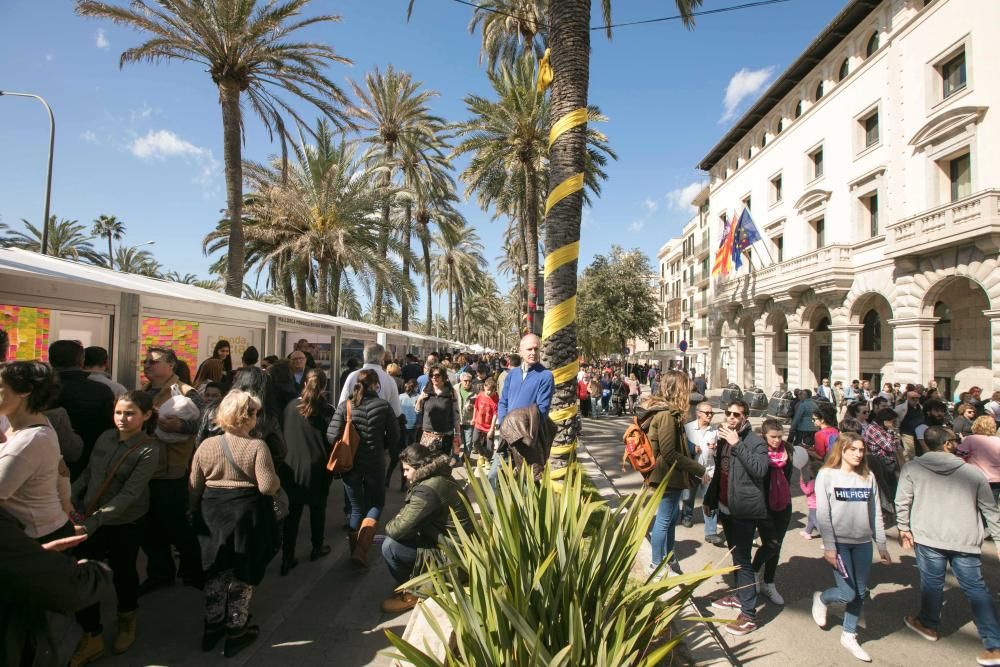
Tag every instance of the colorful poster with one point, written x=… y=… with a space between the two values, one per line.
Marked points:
x=28 y=329
x=180 y=336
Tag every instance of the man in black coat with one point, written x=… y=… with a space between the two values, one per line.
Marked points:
x=89 y=404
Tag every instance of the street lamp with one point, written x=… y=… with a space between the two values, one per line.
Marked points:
x=48 y=179
x=684 y=331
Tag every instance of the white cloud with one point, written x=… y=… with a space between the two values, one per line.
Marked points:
x=102 y=39
x=88 y=136
x=680 y=199
x=49 y=57
x=745 y=83
x=650 y=205
x=637 y=226
x=162 y=144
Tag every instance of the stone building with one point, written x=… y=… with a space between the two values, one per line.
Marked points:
x=871 y=169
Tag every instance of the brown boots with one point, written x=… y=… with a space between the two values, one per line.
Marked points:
x=361 y=542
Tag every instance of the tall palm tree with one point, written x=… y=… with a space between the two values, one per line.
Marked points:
x=111 y=227
x=67 y=240
x=434 y=203
x=508 y=138
x=139 y=262
x=569 y=40
x=460 y=268
x=186 y=279
x=246 y=49
x=392 y=110
x=510 y=29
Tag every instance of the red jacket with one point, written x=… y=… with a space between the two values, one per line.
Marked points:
x=582 y=390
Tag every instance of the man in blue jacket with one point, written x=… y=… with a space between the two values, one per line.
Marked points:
x=531 y=384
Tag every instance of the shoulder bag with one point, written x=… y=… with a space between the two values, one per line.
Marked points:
x=344 y=449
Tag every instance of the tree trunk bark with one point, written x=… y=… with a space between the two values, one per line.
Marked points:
x=425 y=242
x=336 y=273
x=229 y=94
x=569 y=36
x=111 y=257
x=404 y=302
x=323 y=293
x=531 y=243
x=301 y=279
x=451 y=292
x=383 y=243
x=285 y=273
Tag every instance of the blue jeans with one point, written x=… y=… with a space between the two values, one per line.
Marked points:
x=711 y=522
x=595 y=407
x=851 y=593
x=665 y=525
x=399 y=558
x=364 y=487
x=931 y=563
x=494 y=472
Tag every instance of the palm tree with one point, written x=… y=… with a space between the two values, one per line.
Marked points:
x=392 y=110
x=67 y=240
x=186 y=279
x=246 y=50
x=140 y=262
x=113 y=228
x=460 y=268
x=510 y=29
x=434 y=203
x=569 y=39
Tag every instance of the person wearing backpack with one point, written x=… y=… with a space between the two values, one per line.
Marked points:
x=674 y=465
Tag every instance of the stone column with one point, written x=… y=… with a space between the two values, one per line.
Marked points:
x=737 y=365
x=994 y=317
x=845 y=342
x=765 y=373
x=800 y=375
x=713 y=373
x=913 y=349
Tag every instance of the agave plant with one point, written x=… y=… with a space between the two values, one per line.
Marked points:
x=543 y=578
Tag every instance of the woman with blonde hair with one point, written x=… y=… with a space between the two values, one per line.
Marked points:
x=982 y=449
x=233 y=483
x=850 y=517
x=665 y=415
x=396 y=373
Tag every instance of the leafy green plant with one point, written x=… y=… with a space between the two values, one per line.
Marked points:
x=542 y=578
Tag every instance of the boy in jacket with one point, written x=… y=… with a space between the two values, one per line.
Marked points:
x=941 y=503
x=737 y=493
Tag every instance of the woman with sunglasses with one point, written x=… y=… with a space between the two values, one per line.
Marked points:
x=233 y=483
x=859 y=411
x=439 y=406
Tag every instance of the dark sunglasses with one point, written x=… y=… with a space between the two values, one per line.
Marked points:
x=732 y=413
x=707 y=412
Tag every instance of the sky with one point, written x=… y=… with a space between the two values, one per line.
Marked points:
x=144 y=143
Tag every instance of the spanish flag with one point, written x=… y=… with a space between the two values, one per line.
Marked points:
x=724 y=256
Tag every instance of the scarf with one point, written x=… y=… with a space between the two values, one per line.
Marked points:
x=778 y=496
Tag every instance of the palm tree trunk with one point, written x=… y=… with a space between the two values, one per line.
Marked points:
x=301 y=280
x=531 y=242
x=383 y=242
x=451 y=329
x=323 y=293
x=336 y=272
x=111 y=257
x=569 y=36
x=425 y=242
x=229 y=94
x=285 y=276
x=404 y=302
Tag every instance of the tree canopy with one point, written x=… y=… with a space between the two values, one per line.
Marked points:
x=614 y=302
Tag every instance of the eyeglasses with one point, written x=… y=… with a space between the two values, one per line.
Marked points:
x=437 y=376
x=733 y=413
x=706 y=412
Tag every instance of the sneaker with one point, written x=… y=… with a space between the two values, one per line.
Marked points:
x=805 y=535
x=687 y=522
x=771 y=593
x=819 y=609
x=913 y=623
x=88 y=649
x=849 y=640
x=990 y=657
x=743 y=625
x=728 y=602
x=675 y=566
x=716 y=540
x=400 y=602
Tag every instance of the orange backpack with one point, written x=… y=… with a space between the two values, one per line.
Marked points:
x=638 y=449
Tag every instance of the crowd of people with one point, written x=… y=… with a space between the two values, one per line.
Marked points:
x=219 y=470
x=865 y=462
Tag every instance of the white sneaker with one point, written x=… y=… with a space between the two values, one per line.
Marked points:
x=771 y=593
x=819 y=609
x=850 y=642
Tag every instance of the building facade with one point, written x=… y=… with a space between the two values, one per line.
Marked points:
x=871 y=170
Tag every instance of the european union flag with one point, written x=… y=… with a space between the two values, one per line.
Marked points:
x=746 y=235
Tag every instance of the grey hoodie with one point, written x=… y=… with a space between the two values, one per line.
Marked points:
x=940 y=498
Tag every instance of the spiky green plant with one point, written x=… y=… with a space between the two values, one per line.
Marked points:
x=542 y=578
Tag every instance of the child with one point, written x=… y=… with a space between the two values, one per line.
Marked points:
x=807 y=482
x=484 y=420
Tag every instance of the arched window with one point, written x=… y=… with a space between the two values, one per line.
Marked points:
x=845 y=69
x=798 y=109
x=872 y=46
x=942 y=328
x=763 y=139
x=823 y=324
x=780 y=126
x=819 y=91
x=871 y=332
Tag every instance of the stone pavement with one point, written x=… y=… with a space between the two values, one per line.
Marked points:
x=788 y=634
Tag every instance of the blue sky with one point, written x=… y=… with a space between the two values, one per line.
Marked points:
x=144 y=143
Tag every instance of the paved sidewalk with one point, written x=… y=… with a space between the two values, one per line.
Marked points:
x=788 y=634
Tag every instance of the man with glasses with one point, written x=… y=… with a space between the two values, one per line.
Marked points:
x=702 y=438
x=166 y=522
x=305 y=347
x=737 y=493
x=941 y=505
x=297 y=362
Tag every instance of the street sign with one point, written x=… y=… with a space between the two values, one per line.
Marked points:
x=683 y=346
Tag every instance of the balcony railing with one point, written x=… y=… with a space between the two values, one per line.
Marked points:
x=830 y=266
x=972 y=218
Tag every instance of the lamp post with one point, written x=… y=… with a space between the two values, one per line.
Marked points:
x=684 y=330
x=48 y=178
